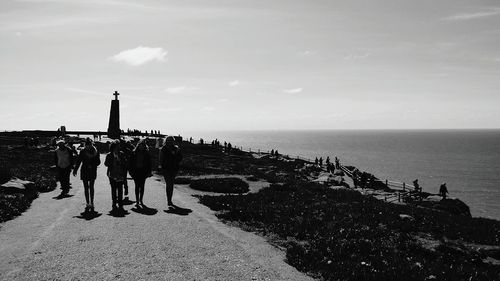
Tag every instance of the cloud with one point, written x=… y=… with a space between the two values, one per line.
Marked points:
x=180 y=89
x=293 y=91
x=470 y=16
x=234 y=83
x=141 y=55
x=357 y=56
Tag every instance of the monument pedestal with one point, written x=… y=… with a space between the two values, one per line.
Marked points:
x=114 y=118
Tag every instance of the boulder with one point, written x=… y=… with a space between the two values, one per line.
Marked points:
x=16 y=185
x=452 y=206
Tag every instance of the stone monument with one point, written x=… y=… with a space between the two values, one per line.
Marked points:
x=114 y=118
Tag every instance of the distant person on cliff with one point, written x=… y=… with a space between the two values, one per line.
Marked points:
x=63 y=157
x=170 y=158
x=443 y=190
x=89 y=160
x=417 y=186
x=140 y=170
x=117 y=173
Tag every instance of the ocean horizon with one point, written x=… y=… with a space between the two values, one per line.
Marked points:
x=468 y=160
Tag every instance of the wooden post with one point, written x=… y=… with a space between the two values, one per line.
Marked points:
x=399 y=196
x=386 y=183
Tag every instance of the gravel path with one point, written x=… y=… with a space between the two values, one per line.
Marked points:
x=51 y=241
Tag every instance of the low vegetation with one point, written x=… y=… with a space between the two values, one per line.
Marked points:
x=343 y=235
x=220 y=185
x=32 y=164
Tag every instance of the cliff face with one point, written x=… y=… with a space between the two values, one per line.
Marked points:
x=452 y=206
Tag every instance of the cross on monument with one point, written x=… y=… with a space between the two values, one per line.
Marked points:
x=116 y=94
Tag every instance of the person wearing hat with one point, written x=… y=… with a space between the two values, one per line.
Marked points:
x=170 y=158
x=63 y=157
x=89 y=160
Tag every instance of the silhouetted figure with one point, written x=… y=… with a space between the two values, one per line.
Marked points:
x=126 y=147
x=170 y=158
x=272 y=152
x=320 y=161
x=337 y=163
x=89 y=160
x=327 y=162
x=276 y=153
x=201 y=141
x=443 y=190
x=63 y=157
x=117 y=173
x=140 y=170
x=316 y=161
x=417 y=186
x=229 y=147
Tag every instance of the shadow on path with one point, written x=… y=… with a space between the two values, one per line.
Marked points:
x=145 y=211
x=88 y=215
x=127 y=201
x=62 y=196
x=178 y=210
x=118 y=213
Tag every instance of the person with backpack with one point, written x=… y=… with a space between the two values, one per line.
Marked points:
x=89 y=160
x=170 y=158
x=63 y=157
x=116 y=161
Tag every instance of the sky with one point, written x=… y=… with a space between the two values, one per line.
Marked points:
x=191 y=65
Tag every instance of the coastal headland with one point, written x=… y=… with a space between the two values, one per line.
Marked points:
x=325 y=227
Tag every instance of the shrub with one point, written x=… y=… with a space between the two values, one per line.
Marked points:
x=220 y=185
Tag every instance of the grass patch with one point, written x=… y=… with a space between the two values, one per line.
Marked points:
x=32 y=164
x=220 y=185
x=343 y=235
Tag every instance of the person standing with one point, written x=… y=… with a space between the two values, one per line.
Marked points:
x=443 y=190
x=117 y=173
x=140 y=170
x=126 y=147
x=63 y=157
x=89 y=160
x=170 y=158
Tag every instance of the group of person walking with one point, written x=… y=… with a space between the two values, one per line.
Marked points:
x=122 y=159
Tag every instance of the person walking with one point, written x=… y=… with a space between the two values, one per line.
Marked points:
x=89 y=160
x=140 y=169
x=117 y=173
x=63 y=157
x=170 y=158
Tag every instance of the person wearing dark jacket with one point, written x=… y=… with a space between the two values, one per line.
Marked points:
x=170 y=158
x=63 y=157
x=140 y=170
x=116 y=162
x=89 y=160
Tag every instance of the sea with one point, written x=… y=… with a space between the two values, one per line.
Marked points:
x=468 y=161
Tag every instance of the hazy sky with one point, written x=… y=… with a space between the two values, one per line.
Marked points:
x=275 y=64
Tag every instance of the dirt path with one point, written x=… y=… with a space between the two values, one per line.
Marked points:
x=51 y=242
